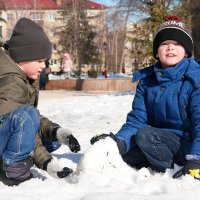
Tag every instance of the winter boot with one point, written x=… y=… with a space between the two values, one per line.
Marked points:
x=16 y=173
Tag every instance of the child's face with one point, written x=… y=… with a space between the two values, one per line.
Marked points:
x=33 y=69
x=170 y=52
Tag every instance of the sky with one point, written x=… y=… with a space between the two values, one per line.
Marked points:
x=106 y=2
x=99 y=171
x=112 y=3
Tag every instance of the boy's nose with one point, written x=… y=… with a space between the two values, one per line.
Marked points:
x=170 y=46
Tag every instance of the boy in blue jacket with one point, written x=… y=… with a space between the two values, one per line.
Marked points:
x=163 y=126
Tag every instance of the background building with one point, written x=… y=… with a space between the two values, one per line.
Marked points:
x=47 y=13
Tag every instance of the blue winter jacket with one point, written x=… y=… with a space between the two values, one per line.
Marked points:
x=168 y=99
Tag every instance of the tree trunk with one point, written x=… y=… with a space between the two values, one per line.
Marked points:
x=124 y=39
x=195 y=14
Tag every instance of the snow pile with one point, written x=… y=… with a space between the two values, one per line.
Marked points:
x=103 y=160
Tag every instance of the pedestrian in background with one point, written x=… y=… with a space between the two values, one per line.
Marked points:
x=44 y=76
x=66 y=65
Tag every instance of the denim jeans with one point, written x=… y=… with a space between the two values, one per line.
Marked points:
x=158 y=149
x=17 y=133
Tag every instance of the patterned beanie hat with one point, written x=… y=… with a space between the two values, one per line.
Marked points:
x=29 y=42
x=173 y=29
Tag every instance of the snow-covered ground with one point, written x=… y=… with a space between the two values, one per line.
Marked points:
x=99 y=172
x=85 y=76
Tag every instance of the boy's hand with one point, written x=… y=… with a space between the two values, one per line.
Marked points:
x=120 y=143
x=73 y=144
x=65 y=172
x=65 y=136
x=52 y=167
x=102 y=136
x=192 y=167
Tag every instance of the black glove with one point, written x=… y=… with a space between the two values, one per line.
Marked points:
x=191 y=167
x=53 y=169
x=65 y=172
x=65 y=136
x=102 y=136
x=120 y=144
x=73 y=144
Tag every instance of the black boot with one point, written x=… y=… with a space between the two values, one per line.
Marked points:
x=12 y=182
x=15 y=173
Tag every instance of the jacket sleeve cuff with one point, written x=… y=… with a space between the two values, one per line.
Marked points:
x=192 y=157
x=46 y=163
x=54 y=132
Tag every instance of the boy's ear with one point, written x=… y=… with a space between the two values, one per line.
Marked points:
x=157 y=57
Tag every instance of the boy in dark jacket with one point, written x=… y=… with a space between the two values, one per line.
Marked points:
x=22 y=129
x=163 y=126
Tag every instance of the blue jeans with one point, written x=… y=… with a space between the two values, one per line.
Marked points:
x=17 y=133
x=158 y=149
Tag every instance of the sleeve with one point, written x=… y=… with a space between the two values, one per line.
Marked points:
x=48 y=131
x=41 y=155
x=48 y=128
x=136 y=118
x=195 y=118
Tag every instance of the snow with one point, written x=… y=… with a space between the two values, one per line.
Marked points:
x=85 y=76
x=99 y=171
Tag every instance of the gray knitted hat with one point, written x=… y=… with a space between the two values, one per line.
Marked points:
x=29 y=42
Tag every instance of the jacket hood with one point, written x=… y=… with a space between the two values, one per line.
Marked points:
x=8 y=66
x=193 y=72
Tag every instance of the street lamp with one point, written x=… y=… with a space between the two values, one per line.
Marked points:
x=105 y=51
x=136 y=64
x=151 y=4
x=105 y=59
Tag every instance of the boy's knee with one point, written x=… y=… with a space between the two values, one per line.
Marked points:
x=27 y=110
x=27 y=113
x=144 y=136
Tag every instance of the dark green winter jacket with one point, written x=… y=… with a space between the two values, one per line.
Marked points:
x=17 y=90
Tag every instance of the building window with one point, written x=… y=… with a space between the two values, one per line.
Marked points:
x=37 y=16
x=54 y=47
x=52 y=17
x=53 y=62
x=9 y=16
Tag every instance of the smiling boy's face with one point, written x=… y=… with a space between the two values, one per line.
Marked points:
x=170 y=52
x=33 y=69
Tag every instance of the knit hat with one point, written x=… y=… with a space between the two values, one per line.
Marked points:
x=173 y=29
x=29 y=42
